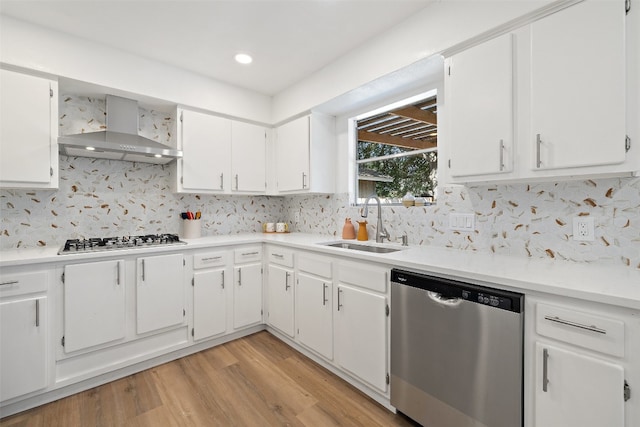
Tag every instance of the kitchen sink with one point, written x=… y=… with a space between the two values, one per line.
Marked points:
x=358 y=247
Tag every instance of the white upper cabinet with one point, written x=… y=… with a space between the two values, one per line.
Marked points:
x=305 y=155
x=542 y=102
x=479 y=93
x=578 y=86
x=206 y=143
x=248 y=157
x=28 y=135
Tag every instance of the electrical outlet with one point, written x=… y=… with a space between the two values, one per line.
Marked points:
x=583 y=229
x=296 y=217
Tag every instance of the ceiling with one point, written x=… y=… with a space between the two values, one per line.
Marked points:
x=288 y=39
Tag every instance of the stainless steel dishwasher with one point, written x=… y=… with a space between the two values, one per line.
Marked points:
x=456 y=352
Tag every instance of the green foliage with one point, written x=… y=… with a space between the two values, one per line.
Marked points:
x=415 y=174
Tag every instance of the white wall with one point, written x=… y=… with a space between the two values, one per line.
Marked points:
x=439 y=26
x=28 y=46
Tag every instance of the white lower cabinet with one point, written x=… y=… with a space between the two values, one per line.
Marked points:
x=361 y=323
x=580 y=364
x=159 y=292
x=209 y=304
x=247 y=287
x=573 y=389
x=23 y=353
x=280 y=289
x=314 y=304
x=280 y=298
x=94 y=304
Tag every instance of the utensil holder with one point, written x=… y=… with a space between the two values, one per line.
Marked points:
x=191 y=229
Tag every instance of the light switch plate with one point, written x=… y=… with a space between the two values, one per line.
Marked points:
x=462 y=221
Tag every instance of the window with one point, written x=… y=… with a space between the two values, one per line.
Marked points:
x=396 y=150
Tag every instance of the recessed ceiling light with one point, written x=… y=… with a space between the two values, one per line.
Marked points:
x=243 y=58
x=157 y=155
x=91 y=148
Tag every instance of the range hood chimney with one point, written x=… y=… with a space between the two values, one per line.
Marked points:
x=121 y=140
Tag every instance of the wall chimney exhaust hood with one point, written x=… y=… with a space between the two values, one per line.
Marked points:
x=121 y=140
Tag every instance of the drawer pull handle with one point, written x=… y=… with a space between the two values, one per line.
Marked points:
x=11 y=282
x=249 y=253
x=545 y=367
x=278 y=255
x=211 y=258
x=591 y=328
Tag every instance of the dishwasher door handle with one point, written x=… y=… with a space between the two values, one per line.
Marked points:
x=445 y=301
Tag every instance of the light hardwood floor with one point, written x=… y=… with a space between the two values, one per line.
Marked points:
x=252 y=381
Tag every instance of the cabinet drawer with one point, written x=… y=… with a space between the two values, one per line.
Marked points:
x=588 y=330
x=363 y=275
x=23 y=283
x=248 y=254
x=209 y=259
x=314 y=265
x=280 y=256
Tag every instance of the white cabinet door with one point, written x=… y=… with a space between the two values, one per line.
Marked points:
x=94 y=304
x=248 y=157
x=578 y=86
x=280 y=299
x=292 y=149
x=209 y=303
x=314 y=314
x=28 y=135
x=159 y=292
x=361 y=334
x=23 y=353
x=247 y=295
x=480 y=104
x=206 y=143
x=580 y=391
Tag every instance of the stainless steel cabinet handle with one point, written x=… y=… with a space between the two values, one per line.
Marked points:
x=222 y=279
x=286 y=281
x=278 y=255
x=236 y=181
x=545 y=366
x=324 y=294
x=143 y=270
x=304 y=180
x=538 y=144
x=211 y=258
x=222 y=181
x=339 y=292
x=239 y=277
x=118 y=273
x=37 y=313
x=250 y=253
x=591 y=328
x=501 y=155
x=11 y=282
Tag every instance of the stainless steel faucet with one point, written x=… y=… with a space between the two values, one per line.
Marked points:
x=381 y=232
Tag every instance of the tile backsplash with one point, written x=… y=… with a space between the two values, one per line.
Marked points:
x=112 y=198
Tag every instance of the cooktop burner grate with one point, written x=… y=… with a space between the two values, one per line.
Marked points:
x=95 y=244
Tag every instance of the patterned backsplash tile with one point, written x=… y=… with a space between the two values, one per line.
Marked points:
x=112 y=198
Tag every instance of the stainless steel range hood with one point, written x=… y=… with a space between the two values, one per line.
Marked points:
x=121 y=140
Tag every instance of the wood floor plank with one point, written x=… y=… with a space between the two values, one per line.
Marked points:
x=253 y=381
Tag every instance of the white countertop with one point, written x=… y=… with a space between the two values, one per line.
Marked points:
x=611 y=284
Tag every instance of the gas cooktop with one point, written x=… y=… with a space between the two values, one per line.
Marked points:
x=96 y=244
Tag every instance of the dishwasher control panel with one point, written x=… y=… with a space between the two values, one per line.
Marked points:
x=451 y=289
